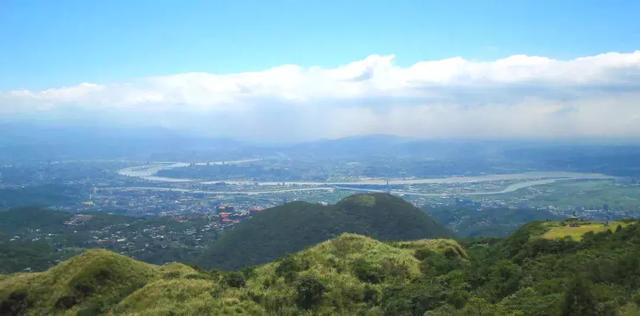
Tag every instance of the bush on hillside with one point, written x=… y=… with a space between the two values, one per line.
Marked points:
x=309 y=292
x=234 y=279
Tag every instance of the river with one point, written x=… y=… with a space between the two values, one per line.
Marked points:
x=526 y=179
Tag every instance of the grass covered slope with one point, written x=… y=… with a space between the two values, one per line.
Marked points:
x=86 y=284
x=278 y=231
x=351 y=274
x=346 y=275
x=102 y=282
x=575 y=231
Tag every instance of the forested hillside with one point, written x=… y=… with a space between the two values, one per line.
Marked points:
x=291 y=227
x=531 y=272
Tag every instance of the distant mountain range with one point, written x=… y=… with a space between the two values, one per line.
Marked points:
x=41 y=142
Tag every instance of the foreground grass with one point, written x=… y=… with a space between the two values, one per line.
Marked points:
x=349 y=271
x=525 y=275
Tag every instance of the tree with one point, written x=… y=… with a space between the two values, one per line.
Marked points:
x=504 y=279
x=579 y=299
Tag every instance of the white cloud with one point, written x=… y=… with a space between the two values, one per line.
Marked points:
x=518 y=96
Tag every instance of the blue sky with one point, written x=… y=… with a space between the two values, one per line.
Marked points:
x=302 y=70
x=60 y=43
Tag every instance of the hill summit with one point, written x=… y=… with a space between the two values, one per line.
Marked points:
x=525 y=274
x=317 y=279
x=294 y=226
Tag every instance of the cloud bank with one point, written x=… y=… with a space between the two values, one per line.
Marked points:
x=516 y=97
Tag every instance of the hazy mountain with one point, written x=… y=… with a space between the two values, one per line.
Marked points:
x=29 y=141
x=423 y=157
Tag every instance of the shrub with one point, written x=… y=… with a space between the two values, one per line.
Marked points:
x=636 y=298
x=366 y=271
x=89 y=310
x=289 y=267
x=504 y=278
x=249 y=272
x=437 y=264
x=422 y=254
x=66 y=302
x=309 y=292
x=370 y=295
x=234 y=279
x=458 y=298
x=414 y=298
x=16 y=304
x=450 y=254
x=393 y=269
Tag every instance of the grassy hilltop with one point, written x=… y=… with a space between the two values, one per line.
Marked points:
x=559 y=230
x=351 y=274
x=344 y=275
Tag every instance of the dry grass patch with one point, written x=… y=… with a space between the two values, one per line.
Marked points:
x=559 y=231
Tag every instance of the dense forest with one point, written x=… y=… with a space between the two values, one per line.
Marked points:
x=291 y=227
x=468 y=221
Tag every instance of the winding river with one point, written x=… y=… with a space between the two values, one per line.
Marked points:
x=149 y=172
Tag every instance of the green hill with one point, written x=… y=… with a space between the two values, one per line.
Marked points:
x=88 y=283
x=278 y=231
x=524 y=274
x=350 y=273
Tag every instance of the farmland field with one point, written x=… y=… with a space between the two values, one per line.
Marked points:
x=587 y=194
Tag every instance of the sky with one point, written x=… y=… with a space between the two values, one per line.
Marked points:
x=299 y=70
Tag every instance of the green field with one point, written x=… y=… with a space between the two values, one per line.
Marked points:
x=589 y=194
x=559 y=231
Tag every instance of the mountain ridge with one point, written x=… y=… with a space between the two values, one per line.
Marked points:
x=100 y=281
x=524 y=274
